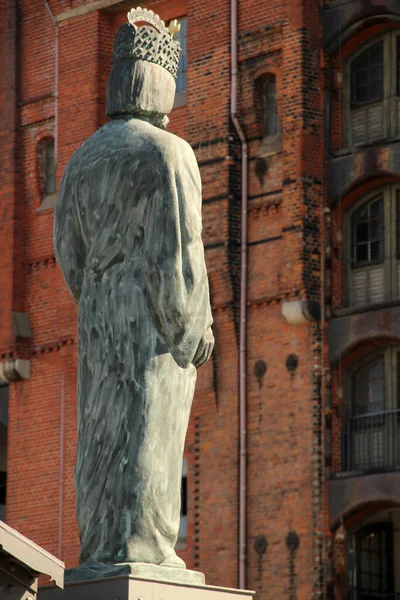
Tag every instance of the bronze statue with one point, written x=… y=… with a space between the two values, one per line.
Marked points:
x=127 y=237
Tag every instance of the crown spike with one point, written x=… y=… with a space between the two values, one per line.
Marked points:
x=174 y=27
x=138 y=14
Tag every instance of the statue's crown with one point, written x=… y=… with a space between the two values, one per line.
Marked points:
x=154 y=44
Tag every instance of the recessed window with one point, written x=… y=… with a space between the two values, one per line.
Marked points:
x=373 y=248
x=50 y=169
x=372 y=426
x=266 y=111
x=47 y=166
x=367 y=76
x=181 y=80
x=371 y=562
x=3 y=449
x=47 y=172
x=271 y=124
x=368 y=227
x=372 y=95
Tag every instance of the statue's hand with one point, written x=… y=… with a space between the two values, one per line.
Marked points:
x=204 y=349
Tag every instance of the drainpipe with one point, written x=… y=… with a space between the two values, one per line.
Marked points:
x=243 y=303
x=61 y=498
x=56 y=69
x=62 y=416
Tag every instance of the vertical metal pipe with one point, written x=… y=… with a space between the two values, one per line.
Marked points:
x=56 y=75
x=62 y=417
x=61 y=497
x=243 y=304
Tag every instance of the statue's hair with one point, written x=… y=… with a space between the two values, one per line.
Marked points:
x=138 y=87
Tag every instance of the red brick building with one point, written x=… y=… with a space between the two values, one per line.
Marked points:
x=301 y=210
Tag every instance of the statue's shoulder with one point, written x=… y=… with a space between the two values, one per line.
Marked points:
x=123 y=140
x=154 y=139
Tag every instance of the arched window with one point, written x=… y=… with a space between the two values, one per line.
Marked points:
x=371 y=438
x=372 y=560
x=372 y=95
x=372 y=229
x=266 y=109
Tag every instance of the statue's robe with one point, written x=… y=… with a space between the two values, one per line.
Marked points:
x=128 y=240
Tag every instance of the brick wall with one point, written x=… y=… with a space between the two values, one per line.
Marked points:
x=285 y=217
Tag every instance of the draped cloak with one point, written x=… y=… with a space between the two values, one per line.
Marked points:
x=127 y=237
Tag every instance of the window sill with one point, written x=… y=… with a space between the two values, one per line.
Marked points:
x=271 y=144
x=180 y=99
x=362 y=147
x=344 y=312
x=364 y=472
x=48 y=203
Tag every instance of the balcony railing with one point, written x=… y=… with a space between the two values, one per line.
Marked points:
x=355 y=594
x=371 y=442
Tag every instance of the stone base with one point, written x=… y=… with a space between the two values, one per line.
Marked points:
x=129 y=587
x=139 y=570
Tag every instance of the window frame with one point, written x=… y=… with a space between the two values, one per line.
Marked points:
x=180 y=96
x=391 y=357
x=271 y=143
x=391 y=244
x=354 y=557
x=391 y=96
x=48 y=198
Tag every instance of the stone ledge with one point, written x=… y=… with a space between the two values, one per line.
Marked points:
x=127 y=587
x=138 y=570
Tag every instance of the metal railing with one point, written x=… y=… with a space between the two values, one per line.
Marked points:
x=371 y=442
x=356 y=594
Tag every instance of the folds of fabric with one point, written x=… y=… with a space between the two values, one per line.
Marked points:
x=128 y=240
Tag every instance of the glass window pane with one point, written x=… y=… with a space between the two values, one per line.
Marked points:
x=374 y=557
x=369 y=391
x=368 y=233
x=376 y=74
x=376 y=251
x=50 y=169
x=375 y=229
x=376 y=54
x=360 y=96
x=181 y=37
x=376 y=208
x=271 y=121
x=398 y=65
x=367 y=76
x=362 y=232
x=361 y=78
x=362 y=253
x=375 y=92
x=398 y=223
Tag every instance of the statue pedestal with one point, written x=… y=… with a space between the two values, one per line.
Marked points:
x=127 y=587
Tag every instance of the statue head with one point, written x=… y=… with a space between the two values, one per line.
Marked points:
x=145 y=65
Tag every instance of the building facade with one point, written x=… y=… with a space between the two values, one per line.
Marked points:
x=291 y=483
